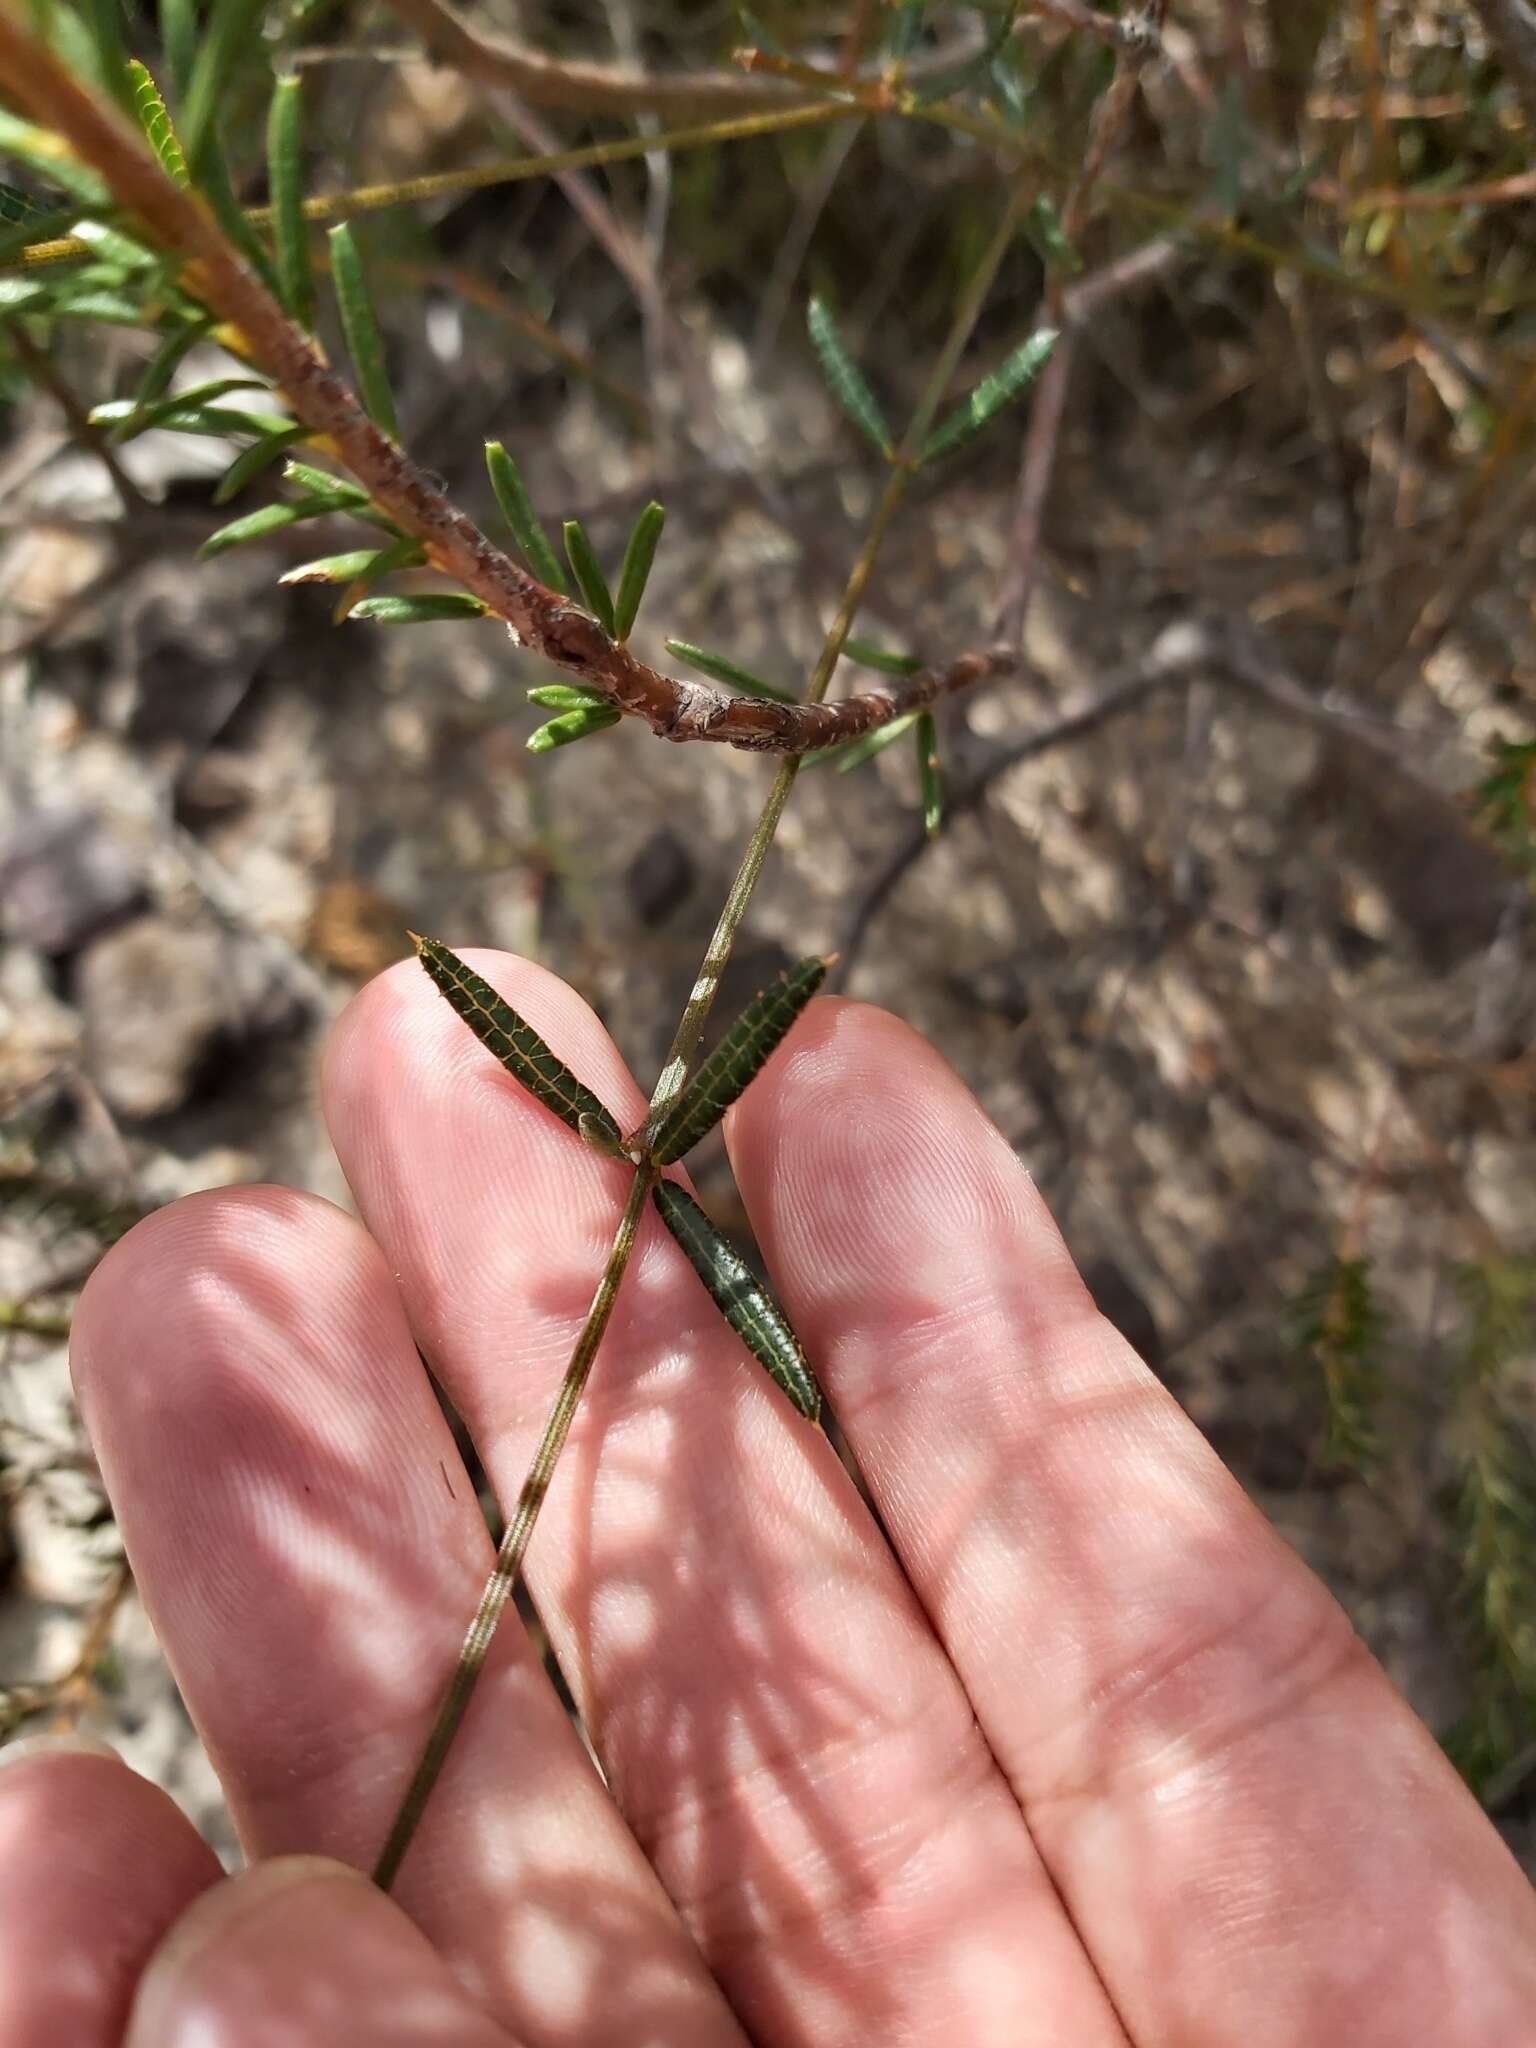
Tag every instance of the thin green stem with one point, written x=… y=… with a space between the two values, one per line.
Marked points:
x=680 y=1057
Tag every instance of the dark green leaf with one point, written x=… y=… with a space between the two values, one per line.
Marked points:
x=105 y=18
x=929 y=776
x=638 y=557
x=1050 y=237
x=423 y=610
x=253 y=460
x=364 y=342
x=265 y=520
x=571 y=726
x=737 y=1059
x=156 y=123
x=40 y=225
x=844 y=377
x=285 y=179
x=990 y=396
x=229 y=29
x=517 y=510
x=183 y=417
x=905 y=31
x=884 y=658
x=741 y=1298
x=590 y=580
x=513 y=1041
x=321 y=483
x=163 y=365
x=178 y=34
x=49 y=155
x=565 y=697
x=856 y=752
x=17 y=207
x=722 y=669
x=405 y=553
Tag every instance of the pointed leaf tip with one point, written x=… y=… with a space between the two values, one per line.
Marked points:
x=845 y=379
x=738 y=1059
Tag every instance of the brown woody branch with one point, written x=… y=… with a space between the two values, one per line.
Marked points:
x=536 y=617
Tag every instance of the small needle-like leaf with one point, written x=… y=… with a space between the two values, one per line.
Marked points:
x=571 y=726
x=741 y=1298
x=858 y=751
x=332 y=568
x=721 y=669
x=514 y=1042
x=1011 y=376
x=422 y=610
x=590 y=579
x=285 y=182
x=844 y=377
x=929 y=776
x=266 y=520
x=364 y=342
x=565 y=697
x=259 y=456
x=405 y=553
x=633 y=576
x=517 y=509
x=737 y=1059
x=323 y=483
x=867 y=655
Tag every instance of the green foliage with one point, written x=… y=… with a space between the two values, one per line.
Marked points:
x=890 y=663
x=578 y=724
x=1341 y=1326
x=517 y=510
x=737 y=1060
x=721 y=669
x=365 y=344
x=845 y=379
x=590 y=580
x=429 y=608
x=746 y=1302
x=220 y=40
x=250 y=462
x=150 y=111
x=930 y=779
x=565 y=697
x=1011 y=377
x=856 y=752
x=285 y=177
x=635 y=573
x=262 y=524
x=1506 y=803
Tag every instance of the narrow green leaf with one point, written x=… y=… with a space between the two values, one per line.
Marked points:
x=1050 y=237
x=741 y=1298
x=230 y=28
x=405 y=553
x=513 y=1041
x=929 y=776
x=285 y=177
x=213 y=181
x=49 y=155
x=844 y=377
x=868 y=744
x=1010 y=377
x=178 y=35
x=162 y=367
x=331 y=568
x=737 y=1059
x=177 y=416
x=422 y=610
x=517 y=510
x=105 y=20
x=721 y=669
x=565 y=697
x=323 y=483
x=150 y=110
x=572 y=726
x=195 y=397
x=114 y=308
x=250 y=462
x=590 y=580
x=638 y=557
x=364 y=342
x=884 y=658
x=906 y=28
x=267 y=519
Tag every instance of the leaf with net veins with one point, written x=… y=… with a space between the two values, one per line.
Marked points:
x=285 y=182
x=634 y=575
x=514 y=1042
x=930 y=779
x=738 y=1059
x=425 y=609
x=150 y=111
x=590 y=580
x=721 y=669
x=1012 y=376
x=572 y=726
x=517 y=509
x=844 y=377
x=365 y=344
x=741 y=1298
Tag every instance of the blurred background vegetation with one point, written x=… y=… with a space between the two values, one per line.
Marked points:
x=1244 y=968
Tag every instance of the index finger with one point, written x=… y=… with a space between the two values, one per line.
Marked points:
x=1257 y=1839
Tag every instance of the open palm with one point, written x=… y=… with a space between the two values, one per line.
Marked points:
x=1075 y=1753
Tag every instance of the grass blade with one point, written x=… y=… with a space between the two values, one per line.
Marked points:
x=741 y=1298
x=513 y=1041
x=150 y=110
x=1011 y=376
x=517 y=510
x=425 y=609
x=285 y=177
x=721 y=669
x=572 y=726
x=638 y=557
x=590 y=580
x=929 y=776
x=365 y=345
x=738 y=1059
x=844 y=377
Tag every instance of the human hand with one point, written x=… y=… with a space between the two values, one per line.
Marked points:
x=1092 y=1759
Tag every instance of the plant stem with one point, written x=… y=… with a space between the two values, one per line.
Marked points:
x=680 y=1056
